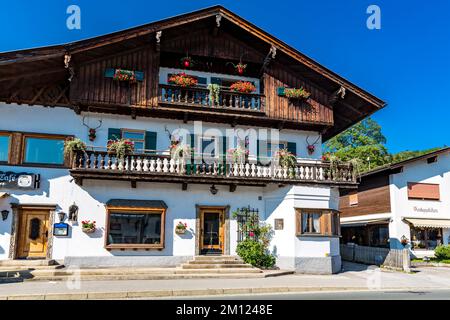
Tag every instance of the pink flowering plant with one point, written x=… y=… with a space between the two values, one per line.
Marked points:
x=120 y=147
x=285 y=158
x=237 y=155
x=181 y=227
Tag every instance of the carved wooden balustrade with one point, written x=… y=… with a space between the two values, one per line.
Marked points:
x=160 y=168
x=199 y=97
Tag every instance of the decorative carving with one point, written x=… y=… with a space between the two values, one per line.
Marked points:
x=158 y=40
x=67 y=58
x=218 y=19
x=273 y=52
x=335 y=96
x=311 y=146
x=73 y=212
x=92 y=131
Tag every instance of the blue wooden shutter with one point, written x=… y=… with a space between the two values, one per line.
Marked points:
x=292 y=148
x=150 y=141
x=114 y=134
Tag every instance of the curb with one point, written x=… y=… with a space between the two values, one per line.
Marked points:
x=186 y=293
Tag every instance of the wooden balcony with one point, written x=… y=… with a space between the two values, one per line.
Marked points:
x=198 y=97
x=100 y=165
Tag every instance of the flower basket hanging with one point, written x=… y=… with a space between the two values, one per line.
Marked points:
x=183 y=80
x=181 y=228
x=88 y=226
x=243 y=87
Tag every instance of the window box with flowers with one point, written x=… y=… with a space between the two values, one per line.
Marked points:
x=237 y=155
x=243 y=87
x=181 y=228
x=183 y=80
x=294 y=93
x=88 y=226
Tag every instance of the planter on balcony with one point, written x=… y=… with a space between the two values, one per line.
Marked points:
x=293 y=93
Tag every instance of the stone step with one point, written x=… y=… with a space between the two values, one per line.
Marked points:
x=27 y=263
x=219 y=271
x=28 y=268
x=215 y=265
x=216 y=257
x=215 y=261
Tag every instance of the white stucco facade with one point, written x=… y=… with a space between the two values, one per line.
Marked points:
x=59 y=188
x=414 y=171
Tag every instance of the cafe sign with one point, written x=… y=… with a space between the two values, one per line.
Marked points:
x=20 y=180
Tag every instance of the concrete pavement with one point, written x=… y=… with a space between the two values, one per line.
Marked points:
x=354 y=278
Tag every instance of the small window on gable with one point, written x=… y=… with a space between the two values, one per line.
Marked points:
x=353 y=199
x=423 y=191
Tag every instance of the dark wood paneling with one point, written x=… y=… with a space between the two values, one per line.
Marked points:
x=312 y=110
x=90 y=85
x=373 y=197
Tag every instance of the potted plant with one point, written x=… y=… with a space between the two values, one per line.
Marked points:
x=187 y=61
x=243 y=87
x=240 y=67
x=72 y=146
x=286 y=159
x=120 y=147
x=214 y=91
x=237 y=155
x=88 y=226
x=181 y=228
x=404 y=241
x=183 y=80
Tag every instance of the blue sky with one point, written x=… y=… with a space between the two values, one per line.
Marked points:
x=406 y=63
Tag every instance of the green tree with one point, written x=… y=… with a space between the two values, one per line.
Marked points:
x=363 y=141
x=405 y=155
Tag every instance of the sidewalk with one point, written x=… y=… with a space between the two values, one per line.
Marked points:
x=362 y=279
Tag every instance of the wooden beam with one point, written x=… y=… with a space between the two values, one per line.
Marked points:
x=32 y=74
x=133 y=184
x=232 y=187
x=184 y=186
x=37 y=95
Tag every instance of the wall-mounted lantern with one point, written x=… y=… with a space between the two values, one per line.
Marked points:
x=213 y=190
x=5 y=214
x=61 y=216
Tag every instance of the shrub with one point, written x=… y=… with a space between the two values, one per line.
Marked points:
x=254 y=253
x=74 y=145
x=442 y=252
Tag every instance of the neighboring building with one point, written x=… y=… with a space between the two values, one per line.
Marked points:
x=53 y=94
x=409 y=199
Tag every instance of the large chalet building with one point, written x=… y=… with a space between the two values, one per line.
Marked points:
x=121 y=86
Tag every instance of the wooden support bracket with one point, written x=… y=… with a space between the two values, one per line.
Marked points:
x=184 y=186
x=232 y=187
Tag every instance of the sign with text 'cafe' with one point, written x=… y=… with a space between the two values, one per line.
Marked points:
x=22 y=180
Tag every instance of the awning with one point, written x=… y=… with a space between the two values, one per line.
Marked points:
x=363 y=223
x=4 y=194
x=142 y=204
x=429 y=223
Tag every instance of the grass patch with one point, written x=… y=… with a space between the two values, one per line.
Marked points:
x=432 y=260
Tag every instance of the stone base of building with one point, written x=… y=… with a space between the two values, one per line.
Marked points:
x=125 y=261
x=318 y=265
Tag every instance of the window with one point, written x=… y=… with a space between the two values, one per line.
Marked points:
x=134 y=229
x=310 y=222
x=272 y=148
x=138 y=137
x=209 y=148
x=43 y=150
x=317 y=222
x=353 y=198
x=423 y=191
x=4 y=147
x=425 y=238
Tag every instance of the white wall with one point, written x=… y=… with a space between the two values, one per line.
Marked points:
x=419 y=171
x=58 y=188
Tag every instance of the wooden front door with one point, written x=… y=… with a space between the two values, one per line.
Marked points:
x=212 y=233
x=33 y=234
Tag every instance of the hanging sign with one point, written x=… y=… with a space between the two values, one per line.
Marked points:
x=20 y=180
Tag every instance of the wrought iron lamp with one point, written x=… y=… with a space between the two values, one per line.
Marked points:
x=213 y=189
x=5 y=214
x=61 y=216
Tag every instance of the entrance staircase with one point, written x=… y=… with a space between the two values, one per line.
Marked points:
x=200 y=267
x=20 y=270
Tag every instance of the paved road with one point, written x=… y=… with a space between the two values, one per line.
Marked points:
x=427 y=294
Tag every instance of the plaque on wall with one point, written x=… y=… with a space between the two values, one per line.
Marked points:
x=20 y=180
x=279 y=224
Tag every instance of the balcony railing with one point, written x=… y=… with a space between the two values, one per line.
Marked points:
x=148 y=167
x=199 y=97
